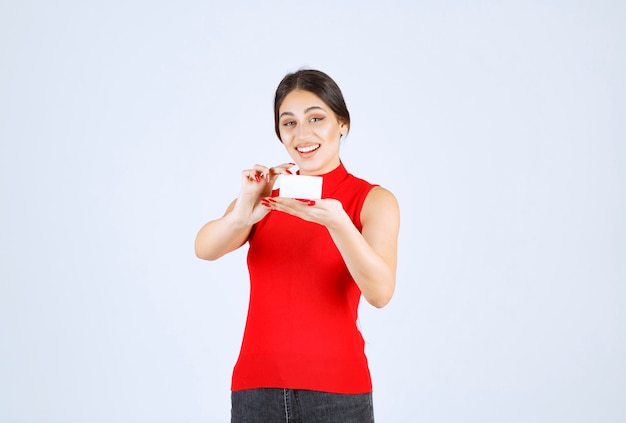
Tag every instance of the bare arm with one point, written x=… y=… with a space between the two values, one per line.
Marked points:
x=221 y=236
x=229 y=232
x=371 y=254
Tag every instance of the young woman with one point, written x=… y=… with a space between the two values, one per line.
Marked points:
x=302 y=356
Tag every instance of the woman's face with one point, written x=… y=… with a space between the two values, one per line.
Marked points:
x=310 y=132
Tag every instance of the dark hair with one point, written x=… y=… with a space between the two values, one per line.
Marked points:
x=316 y=82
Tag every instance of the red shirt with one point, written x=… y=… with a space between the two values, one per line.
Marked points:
x=301 y=330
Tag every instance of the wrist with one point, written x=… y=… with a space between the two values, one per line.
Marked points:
x=236 y=219
x=341 y=222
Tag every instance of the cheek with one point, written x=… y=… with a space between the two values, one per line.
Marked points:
x=292 y=152
x=286 y=137
x=327 y=132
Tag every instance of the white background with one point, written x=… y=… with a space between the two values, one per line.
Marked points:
x=498 y=125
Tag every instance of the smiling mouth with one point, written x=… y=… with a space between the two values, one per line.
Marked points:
x=308 y=149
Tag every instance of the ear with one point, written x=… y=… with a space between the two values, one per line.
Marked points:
x=343 y=127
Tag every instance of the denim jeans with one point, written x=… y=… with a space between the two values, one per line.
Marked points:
x=300 y=406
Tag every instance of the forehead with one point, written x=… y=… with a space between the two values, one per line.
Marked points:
x=297 y=101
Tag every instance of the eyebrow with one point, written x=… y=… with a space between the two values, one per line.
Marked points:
x=307 y=110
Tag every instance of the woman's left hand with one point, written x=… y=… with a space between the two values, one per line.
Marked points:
x=370 y=253
x=327 y=212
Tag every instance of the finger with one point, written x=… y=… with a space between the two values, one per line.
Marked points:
x=266 y=202
x=252 y=175
x=306 y=201
x=263 y=171
x=290 y=205
x=282 y=169
x=296 y=208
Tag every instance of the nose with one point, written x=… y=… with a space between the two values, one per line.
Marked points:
x=303 y=132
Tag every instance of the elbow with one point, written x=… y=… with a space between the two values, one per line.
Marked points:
x=379 y=302
x=381 y=292
x=203 y=254
x=206 y=256
x=380 y=299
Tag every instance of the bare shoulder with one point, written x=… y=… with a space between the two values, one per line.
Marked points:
x=380 y=203
x=380 y=197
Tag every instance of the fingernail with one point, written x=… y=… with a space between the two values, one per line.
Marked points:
x=304 y=200
x=265 y=203
x=256 y=177
x=267 y=178
x=288 y=172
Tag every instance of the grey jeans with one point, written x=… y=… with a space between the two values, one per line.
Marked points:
x=300 y=406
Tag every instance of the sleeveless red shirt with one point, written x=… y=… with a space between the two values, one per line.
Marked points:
x=301 y=330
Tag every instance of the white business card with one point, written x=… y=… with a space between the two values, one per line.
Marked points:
x=301 y=186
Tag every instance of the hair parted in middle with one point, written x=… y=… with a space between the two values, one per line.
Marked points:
x=316 y=82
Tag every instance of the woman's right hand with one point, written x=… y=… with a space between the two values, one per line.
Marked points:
x=226 y=234
x=257 y=183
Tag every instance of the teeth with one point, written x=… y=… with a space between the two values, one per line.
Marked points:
x=308 y=149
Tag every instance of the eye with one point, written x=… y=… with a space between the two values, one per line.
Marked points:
x=289 y=123
x=316 y=119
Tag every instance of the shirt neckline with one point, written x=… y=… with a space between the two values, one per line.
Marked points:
x=332 y=179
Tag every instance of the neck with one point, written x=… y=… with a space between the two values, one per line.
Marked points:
x=329 y=167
